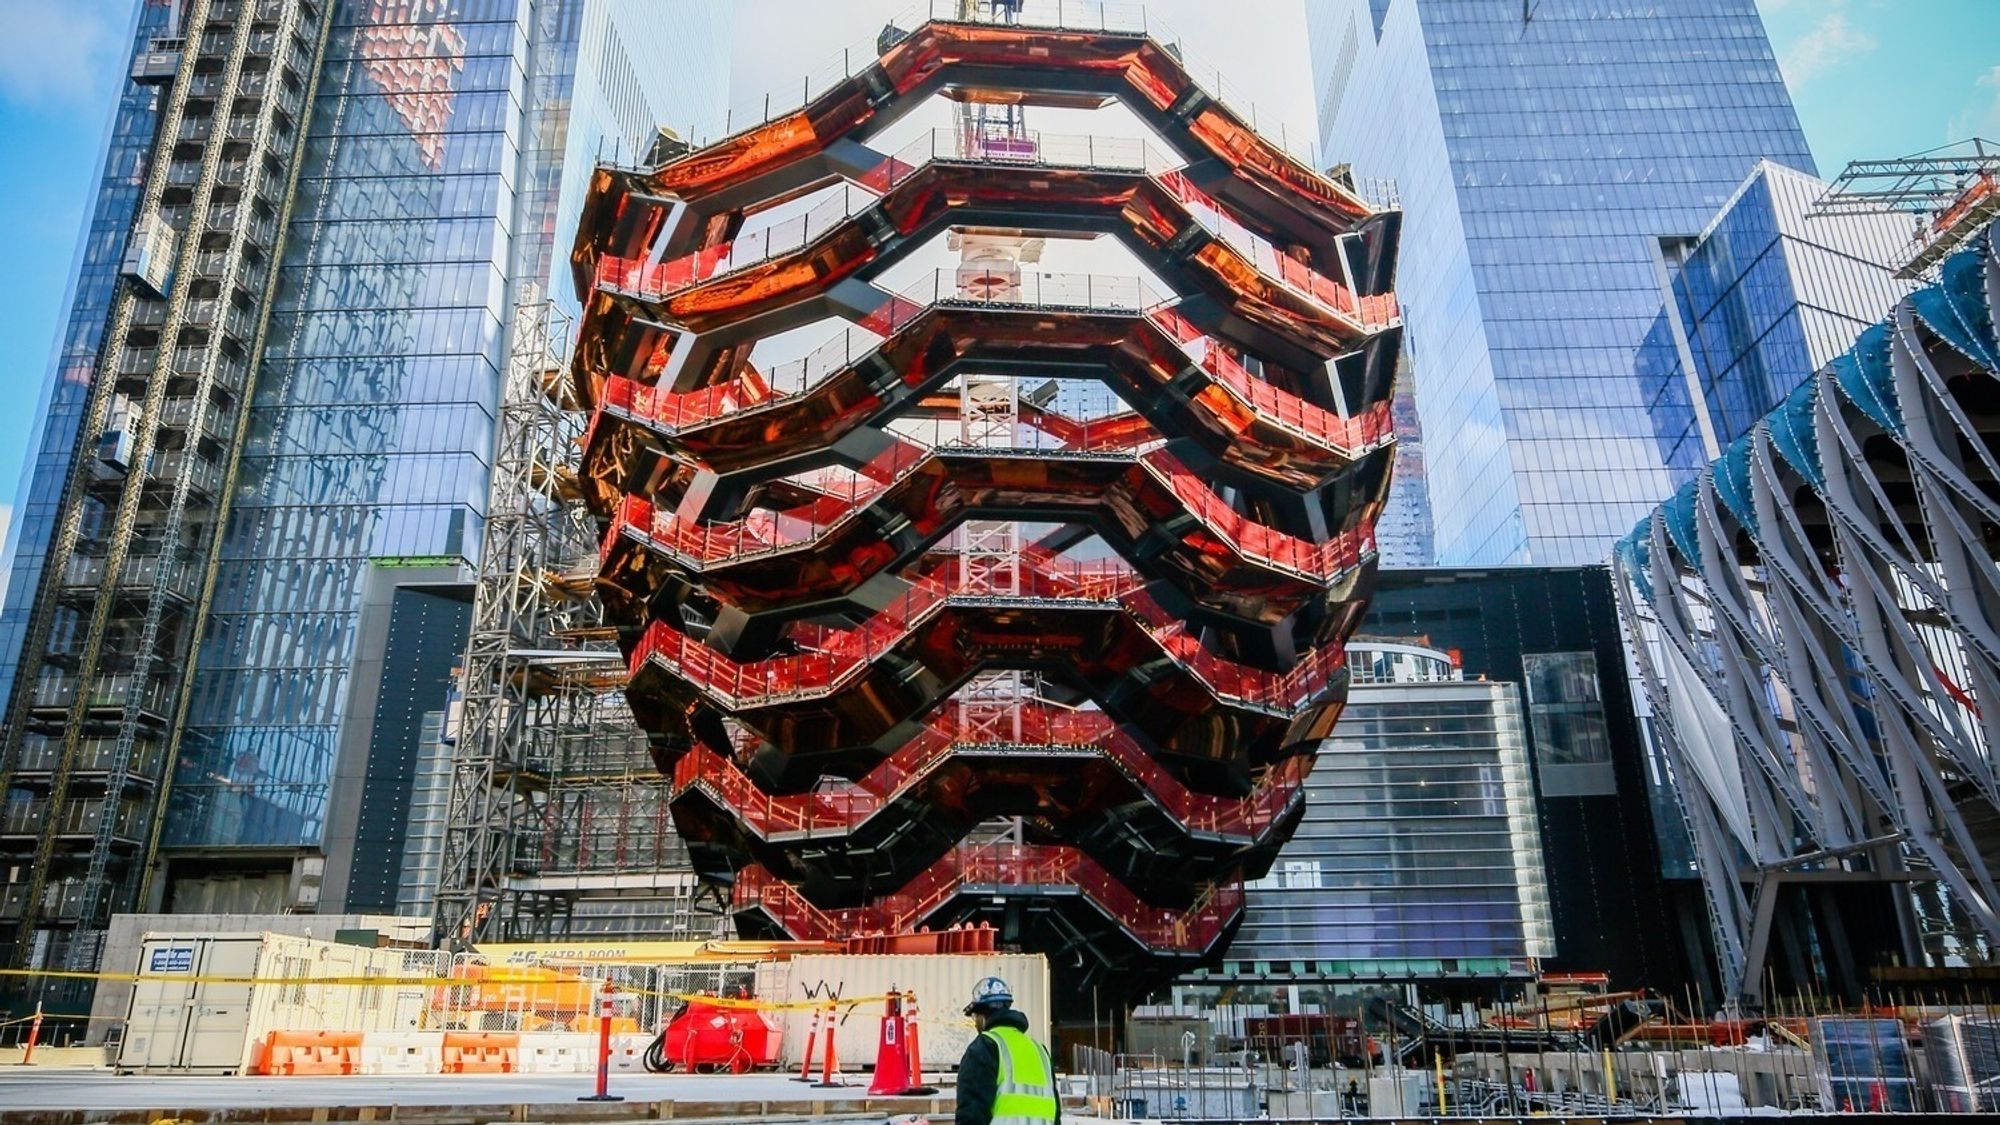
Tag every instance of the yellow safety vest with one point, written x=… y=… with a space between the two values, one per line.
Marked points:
x=1026 y=1091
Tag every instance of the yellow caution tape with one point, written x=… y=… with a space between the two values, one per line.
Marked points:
x=759 y=1005
x=186 y=978
x=492 y=978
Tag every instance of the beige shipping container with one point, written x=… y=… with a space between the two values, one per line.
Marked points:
x=205 y=1000
x=943 y=983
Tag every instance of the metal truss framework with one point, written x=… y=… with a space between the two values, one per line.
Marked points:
x=1954 y=191
x=553 y=799
x=1818 y=626
x=511 y=698
x=1049 y=551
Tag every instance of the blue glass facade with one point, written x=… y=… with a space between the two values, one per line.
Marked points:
x=1540 y=162
x=445 y=139
x=65 y=395
x=1404 y=533
x=1762 y=299
x=1418 y=849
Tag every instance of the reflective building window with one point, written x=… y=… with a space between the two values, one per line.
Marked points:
x=447 y=139
x=1565 y=707
x=37 y=504
x=1541 y=152
x=1419 y=851
x=1765 y=296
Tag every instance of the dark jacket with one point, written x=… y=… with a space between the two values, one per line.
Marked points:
x=979 y=1074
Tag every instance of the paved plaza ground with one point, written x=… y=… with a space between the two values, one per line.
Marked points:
x=541 y=1095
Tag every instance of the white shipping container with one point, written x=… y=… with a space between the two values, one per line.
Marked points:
x=194 y=1010
x=942 y=981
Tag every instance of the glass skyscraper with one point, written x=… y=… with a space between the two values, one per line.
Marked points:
x=1542 y=153
x=1767 y=295
x=272 y=413
x=38 y=502
x=447 y=140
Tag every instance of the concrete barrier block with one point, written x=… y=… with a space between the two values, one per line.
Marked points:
x=402 y=1052
x=558 y=1052
x=627 y=1052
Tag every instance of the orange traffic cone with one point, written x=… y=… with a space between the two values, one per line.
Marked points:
x=892 y=1056
x=812 y=1040
x=829 y=1075
x=916 y=1087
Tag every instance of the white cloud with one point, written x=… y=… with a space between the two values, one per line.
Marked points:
x=1831 y=41
x=1980 y=118
x=59 y=50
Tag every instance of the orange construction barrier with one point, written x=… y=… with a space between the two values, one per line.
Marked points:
x=620 y=1025
x=830 y=1071
x=311 y=1052
x=899 y=1065
x=482 y=1052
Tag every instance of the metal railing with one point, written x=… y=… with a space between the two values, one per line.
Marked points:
x=1125 y=18
x=1368 y=312
x=843 y=655
x=1354 y=435
x=658 y=281
x=755 y=390
x=1021 y=868
x=843 y=202
x=1114 y=293
x=840 y=501
x=1029 y=724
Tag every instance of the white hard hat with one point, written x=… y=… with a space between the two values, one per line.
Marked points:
x=991 y=992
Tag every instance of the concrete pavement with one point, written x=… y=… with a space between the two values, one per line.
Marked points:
x=50 y=1094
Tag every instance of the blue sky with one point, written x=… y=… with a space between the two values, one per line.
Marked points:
x=1871 y=78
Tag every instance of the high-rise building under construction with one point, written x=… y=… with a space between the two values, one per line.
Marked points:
x=261 y=473
x=957 y=586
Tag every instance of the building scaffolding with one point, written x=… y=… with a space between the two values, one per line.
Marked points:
x=1952 y=192
x=555 y=815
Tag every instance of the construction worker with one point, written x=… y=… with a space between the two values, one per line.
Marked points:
x=1005 y=1078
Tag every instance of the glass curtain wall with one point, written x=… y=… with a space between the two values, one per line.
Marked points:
x=451 y=143
x=372 y=426
x=1765 y=297
x=1542 y=151
x=1418 y=853
x=65 y=394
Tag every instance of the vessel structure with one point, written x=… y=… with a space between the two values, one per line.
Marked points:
x=1020 y=596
